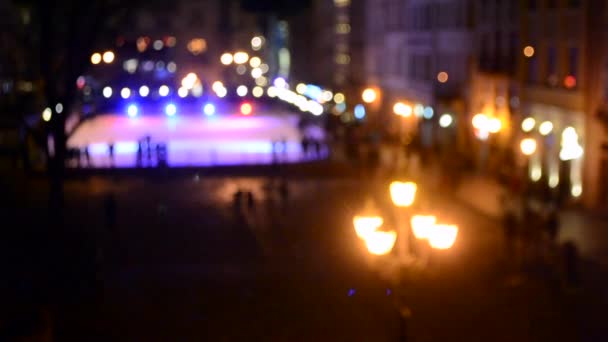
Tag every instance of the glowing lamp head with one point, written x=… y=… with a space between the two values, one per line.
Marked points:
x=144 y=91
x=47 y=113
x=480 y=121
x=108 y=57
x=369 y=95
x=442 y=236
x=125 y=93
x=163 y=91
x=96 y=58
x=209 y=109
x=402 y=109
x=380 y=243
x=132 y=110
x=494 y=125
x=403 y=193
x=365 y=225
x=529 y=51
x=170 y=109
x=226 y=58
x=241 y=90
x=421 y=225
x=527 y=125
x=107 y=92
x=246 y=108
x=445 y=120
x=528 y=146
x=545 y=128
x=241 y=57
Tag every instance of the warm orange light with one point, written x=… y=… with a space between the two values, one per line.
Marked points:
x=379 y=242
x=570 y=82
x=96 y=58
x=365 y=225
x=528 y=51
x=369 y=95
x=402 y=109
x=528 y=146
x=421 y=225
x=442 y=236
x=403 y=193
x=480 y=121
x=246 y=109
x=442 y=77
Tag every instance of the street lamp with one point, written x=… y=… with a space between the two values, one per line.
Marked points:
x=528 y=146
x=369 y=95
x=379 y=242
x=402 y=109
x=403 y=193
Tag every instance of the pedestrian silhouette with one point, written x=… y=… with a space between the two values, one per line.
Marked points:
x=318 y=148
x=148 y=141
x=111 y=153
x=305 y=142
x=284 y=149
x=250 y=201
x=140 y=154
x=87 y=156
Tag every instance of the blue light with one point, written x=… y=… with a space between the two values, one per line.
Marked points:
x=313 y=91
x=209 y=109
x=170 y=109
x=359 y=111
x=132 y=110
x=428 y=113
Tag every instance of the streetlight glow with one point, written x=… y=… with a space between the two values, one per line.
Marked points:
x=255 y=62
x=241 y=57
x=108 y=57
x=442 y=236
x=226 y=58
x=402 y=109
x=528 y=51
x=369 y=95
x=528 y=146
x=545 y=128
x=421 y=225
x=364 y=225
x=445 y=120
x=403 y=193
x=96 y=58
x=380 y=243
x=527 y=125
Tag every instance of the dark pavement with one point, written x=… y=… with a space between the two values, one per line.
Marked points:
x=180 y=265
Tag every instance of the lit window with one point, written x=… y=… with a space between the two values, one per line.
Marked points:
x=342 y=58
x=341 y=3
x=343 y=28
x=197 y=46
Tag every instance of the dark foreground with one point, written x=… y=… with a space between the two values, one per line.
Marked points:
x=181 y=263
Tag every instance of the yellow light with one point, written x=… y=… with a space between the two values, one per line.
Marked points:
x=241 y=57
x=257 y=91
x=96 y=58
x=255 y=62
x=364 y=225
x=480 y=121
x=369 y=95
x=301 y=88
x=553 y=180
x=527 y=125
x=528 y=51
x=256 y=73
x=442 y=236
x=326 y=95
x=402 y=109
x=47 y=113
x=108 y=57
x=577 y=190
x=403 y=194
x=272 y=91
x=545 y=128
x=421 y=225
x=339 y=98
x=528 y=146
x=536 y=173
x=261 y=81
x=494 y=125
x=226 y=58
x=442 y=77
x=380 y=243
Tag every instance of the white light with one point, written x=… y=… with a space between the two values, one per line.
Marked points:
x=144 y=91
x=241 y=57
x=327 y=95
x=132 y=110
x=221 y=92
x=47 y=113
x=125 y=93
x=527 y=125
x=301 y=88
x=315 y=108
x=545 y=127
x=158 y=44
x=256 y=72
x=241 y=90
x=197 y=91
x=257 y=91
x=577 y=190
x=528 y=146
x=163 y=91
x=553 y=180
x=445 y=120
x=255 y=62
x=107 y=92
x=170 y=109
x=171 y=67
x=279 y=82
x=108 y=57
x=59 y=108
x=339 y=98
x=209 y=109
x=571 y=152
x=494 y=125
x=130 y=65
x=182 y=92
x=256 y=43
x=536 y=173
x=226 y=58
x=272 y=91
x=418 y=110
x=189 y=81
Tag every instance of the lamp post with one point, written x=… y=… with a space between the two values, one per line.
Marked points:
x=381 y=243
